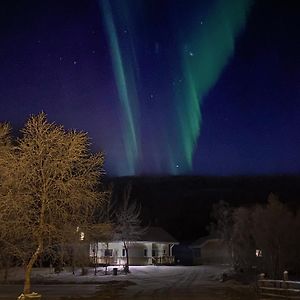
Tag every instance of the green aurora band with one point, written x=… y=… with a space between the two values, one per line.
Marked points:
x=125 y=82
x=204 y=45
x=204 y=55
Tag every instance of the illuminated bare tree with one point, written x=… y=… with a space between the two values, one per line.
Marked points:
x=6 y=169
x=51 y=188
x=104 y=228
x=128 y=223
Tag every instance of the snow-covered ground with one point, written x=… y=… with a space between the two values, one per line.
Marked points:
x=149 y=282
x=137 y=273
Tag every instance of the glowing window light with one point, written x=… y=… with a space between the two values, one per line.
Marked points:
x=81 y=235
x=258 y=253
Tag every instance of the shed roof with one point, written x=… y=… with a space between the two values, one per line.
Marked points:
x=203 y=240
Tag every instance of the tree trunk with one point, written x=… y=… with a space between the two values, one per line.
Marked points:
x=95 y=263
x=33 y=259
x=106 y=259
x=38 y=251
x=61 y=258
x=73 y=259
x=95 y=257
x=126 y=269
x=6 y=268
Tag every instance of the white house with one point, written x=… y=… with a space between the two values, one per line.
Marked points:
x=153 y=247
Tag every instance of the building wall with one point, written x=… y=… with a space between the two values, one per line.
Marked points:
x=212 y=252
x=140 y=253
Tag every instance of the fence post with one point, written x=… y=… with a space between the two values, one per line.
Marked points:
x=261 y=276
x=285 y=284
x=261 y=284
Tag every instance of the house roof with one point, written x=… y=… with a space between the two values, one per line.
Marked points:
x=157 y=234
x=204 y=240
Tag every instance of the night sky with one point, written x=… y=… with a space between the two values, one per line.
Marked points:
x=161 y=86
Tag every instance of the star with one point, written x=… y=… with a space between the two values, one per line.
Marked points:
x=191 y=53
x=74 y=62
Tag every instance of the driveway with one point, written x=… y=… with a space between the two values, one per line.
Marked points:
x=144 y=283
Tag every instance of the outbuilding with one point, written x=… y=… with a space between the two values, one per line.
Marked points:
x=210 y=250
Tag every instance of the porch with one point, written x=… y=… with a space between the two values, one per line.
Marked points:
x=133 y=260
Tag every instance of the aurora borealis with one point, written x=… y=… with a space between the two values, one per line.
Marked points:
x=162 y=87
x=202 y=46
x=208 y=51
x=127 y=94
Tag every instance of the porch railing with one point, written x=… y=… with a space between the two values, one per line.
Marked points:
x=163 y=260
x=113 y=260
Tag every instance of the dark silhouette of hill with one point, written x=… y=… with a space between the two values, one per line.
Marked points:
x=182 y=204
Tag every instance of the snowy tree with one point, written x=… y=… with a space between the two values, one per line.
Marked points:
x=222 y=220
x=128 y=223
x=272 y=234
x=103 y=228
x=243 y=243
x=49 y=189
x=222 y=223
x=7 y=234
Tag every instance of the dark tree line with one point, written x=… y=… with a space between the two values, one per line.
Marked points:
x=265 y=237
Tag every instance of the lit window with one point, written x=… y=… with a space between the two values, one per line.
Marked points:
x=81 y=235
x=258 y=253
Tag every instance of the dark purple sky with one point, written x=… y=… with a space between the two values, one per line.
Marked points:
x=62 y=57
